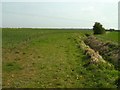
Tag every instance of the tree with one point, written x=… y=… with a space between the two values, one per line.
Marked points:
x=98 y=29
x=111 y=29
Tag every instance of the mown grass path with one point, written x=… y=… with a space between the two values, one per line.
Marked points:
x=48 y=60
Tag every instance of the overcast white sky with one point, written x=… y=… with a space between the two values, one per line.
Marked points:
x=60 y=1
x=59 y=13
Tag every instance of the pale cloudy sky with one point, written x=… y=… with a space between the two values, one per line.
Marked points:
x=59 y=13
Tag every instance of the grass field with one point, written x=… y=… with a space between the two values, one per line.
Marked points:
x=110 y=36
x=36 y=58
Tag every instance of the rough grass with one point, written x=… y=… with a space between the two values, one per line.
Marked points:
x=110 y=36
x=50 y=59
x=11 y=66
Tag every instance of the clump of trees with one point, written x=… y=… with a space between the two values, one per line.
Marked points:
x=98 y=28
x=111 y=29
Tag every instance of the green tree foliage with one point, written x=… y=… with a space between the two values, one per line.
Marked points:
x=98 y=29
x=111 y=29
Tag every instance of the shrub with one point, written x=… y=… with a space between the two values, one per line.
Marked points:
x=98 y=29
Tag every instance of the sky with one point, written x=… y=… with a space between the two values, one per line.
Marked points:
x=59 y=13
x=119 y=16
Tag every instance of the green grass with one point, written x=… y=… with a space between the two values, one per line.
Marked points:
x=11 y=66
x=50 y=59
x=110 y=36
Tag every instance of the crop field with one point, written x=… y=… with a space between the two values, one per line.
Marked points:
x=46 y=58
